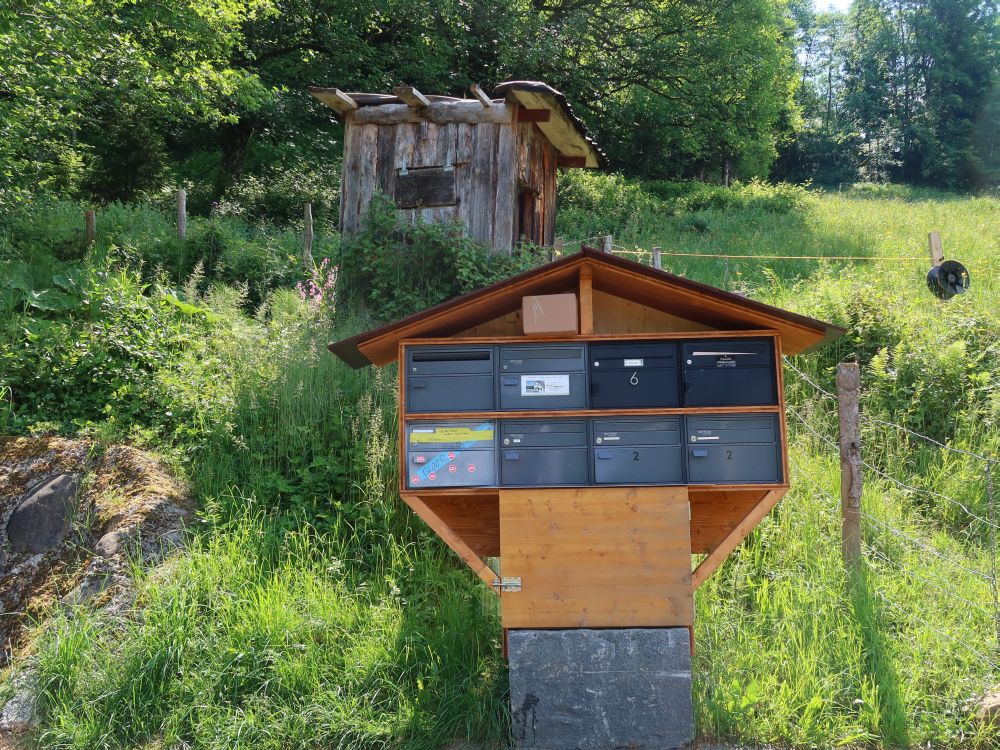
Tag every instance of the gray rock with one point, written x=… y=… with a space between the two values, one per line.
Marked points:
x=42 y=520
x=3 y=562
x=111 y=543
x=601 y=689
x=21 y=712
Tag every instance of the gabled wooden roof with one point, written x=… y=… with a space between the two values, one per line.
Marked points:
x=623 y=278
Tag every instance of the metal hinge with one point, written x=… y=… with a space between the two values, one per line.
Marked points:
x=507 y=584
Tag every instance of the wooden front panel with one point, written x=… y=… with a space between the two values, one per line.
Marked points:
x=596 y=557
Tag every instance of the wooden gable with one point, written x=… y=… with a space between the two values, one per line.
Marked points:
x=624 y=297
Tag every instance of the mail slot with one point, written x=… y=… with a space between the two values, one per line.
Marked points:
x=450 y=378
x=638 y=451
x=733 y=449
x=543 y=454
x=451 y=454
x=543 y=376
x=633 y=375
x=729 y=372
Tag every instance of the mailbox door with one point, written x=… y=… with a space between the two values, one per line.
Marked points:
x=729 y=372
x=635 y=375
x=543 y=467
x=639 y=464
x=450 y=378
x=543 y=377
x=596 y=557
x=451 y=454
x=733 y=449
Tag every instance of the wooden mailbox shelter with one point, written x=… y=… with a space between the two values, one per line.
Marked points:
x=490 y=163
x=614 y=555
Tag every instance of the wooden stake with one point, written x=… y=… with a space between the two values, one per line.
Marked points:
x=481 y=95
x=182 y=219
x=657 y=260
x=935 y=248
x=307 y=239
x=607 y=242
x=557 y=248
x=851 y=480
x=90 y=226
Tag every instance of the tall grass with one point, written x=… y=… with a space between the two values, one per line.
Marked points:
x=312 y=609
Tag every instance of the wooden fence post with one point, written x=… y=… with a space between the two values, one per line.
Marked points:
x=936 y=248
x=90 y=225
x=851 y=484
x=657 y=260
x=307 y=239
x=557 y=249
x=607 y=242
x=182 y=219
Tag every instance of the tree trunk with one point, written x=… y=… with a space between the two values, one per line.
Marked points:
x=234 y=140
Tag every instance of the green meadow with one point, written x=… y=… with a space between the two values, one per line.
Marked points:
x=312 y=609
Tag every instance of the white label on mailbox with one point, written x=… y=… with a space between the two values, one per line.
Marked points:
x=545 y=385
x=633 y=363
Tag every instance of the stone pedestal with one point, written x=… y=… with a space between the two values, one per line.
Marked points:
x=601 y=689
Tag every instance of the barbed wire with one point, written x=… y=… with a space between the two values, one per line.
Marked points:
x=924 y=546
x=883 y=598
x=876 y=420
x=890 y=478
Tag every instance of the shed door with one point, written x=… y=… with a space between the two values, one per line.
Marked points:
x=596 y=557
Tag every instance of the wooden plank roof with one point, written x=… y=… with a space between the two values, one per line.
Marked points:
x=633 y=281
x=564 y=129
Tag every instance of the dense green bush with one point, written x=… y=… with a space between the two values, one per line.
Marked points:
x=279 y=197
x=394 y=268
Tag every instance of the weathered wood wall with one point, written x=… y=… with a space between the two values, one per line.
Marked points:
x=491 y=159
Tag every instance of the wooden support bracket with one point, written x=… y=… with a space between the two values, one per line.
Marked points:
x=443 y=530
x=716 y=557
x=412 y=97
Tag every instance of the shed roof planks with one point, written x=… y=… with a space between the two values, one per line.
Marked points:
x=544 y=105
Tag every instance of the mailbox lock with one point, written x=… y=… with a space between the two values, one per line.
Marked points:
x=597 y=364
x=506 y=441
x=599 y=440
x=689 y=361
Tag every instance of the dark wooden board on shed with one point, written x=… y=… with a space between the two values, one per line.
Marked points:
x=433 y=186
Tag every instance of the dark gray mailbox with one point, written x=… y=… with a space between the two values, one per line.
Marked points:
x=450 y=378
x=729 y=372
x=543 y=377
x=733 y=449
x=638 y=451
x=634 y=375
x=451 y=454
x=543 y=454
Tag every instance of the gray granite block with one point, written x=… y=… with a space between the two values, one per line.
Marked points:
x=601 y=689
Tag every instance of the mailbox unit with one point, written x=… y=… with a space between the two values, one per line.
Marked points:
x=638 y=451
x=450 y=454
x=634 y=374
x=538 y=453
x=543 y=377
x=729 y=372
x=450 y=378
x=589 y=468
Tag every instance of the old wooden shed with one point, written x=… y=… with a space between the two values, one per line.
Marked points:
x=490 y=163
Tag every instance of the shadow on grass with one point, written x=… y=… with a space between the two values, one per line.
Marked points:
x=877 y=659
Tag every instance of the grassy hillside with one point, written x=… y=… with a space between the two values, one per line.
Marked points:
x=312 y=609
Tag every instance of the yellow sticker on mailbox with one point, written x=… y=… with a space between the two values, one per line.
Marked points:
x=450 y=435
